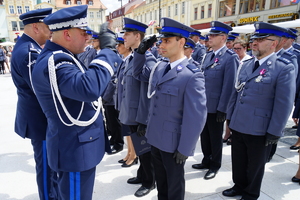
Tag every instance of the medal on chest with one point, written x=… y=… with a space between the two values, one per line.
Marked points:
x=261 y=73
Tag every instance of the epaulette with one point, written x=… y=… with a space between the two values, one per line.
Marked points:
x=296 y=51
x=193 y=68
x=209 y=51
x=230 y=51
x=288 y=53
x=196 y=63
x=286 y=61
x=32 y=48
x=296 y=46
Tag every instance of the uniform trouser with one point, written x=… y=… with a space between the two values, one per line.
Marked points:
x=212 y=142
x=114 y=125
x=249 y=155
x=146 y=171
x=45 y=177
x=2 y=67
x=169 y=175
x=76 y=185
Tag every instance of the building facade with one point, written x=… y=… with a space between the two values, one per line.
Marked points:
x=240 y=12
x=202 y=13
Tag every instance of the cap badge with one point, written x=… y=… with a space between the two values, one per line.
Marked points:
x=212 y=24
x=162 y=22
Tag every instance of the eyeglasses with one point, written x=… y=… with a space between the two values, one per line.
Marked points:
x=237 y=49
x=261 y=39
x=215 y=35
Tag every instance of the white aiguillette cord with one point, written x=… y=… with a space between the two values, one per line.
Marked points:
x=55 y=91
x=239 y=86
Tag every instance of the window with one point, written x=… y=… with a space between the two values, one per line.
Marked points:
x=169 y=11
x=227 y=8
x=151 y=15
x=90 y=3
x=176 y=9
x=98 y=15
x=21 y=25
x=19 y=9
x=281 y=3
x=183 y=7
x=92 y=27
x=14 y=26
x=146 y=18
x=247 y=6
x=202 y=12
x=195 y=13
x=11 y=10
x=91 y=15
x=155 y=14
x=209 y=10
x=68 y=2
x=79 y=3
x=26 y=8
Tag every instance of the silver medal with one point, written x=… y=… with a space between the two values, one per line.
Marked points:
x=258 y=79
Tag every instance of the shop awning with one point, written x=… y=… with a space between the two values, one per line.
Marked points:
x=249 y=28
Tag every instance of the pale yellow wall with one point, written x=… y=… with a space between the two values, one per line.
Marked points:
x=15 y=17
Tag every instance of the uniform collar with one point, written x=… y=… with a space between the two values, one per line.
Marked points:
x=216 y=52
x=30 y=38
x=261 y=61
x=175 y=63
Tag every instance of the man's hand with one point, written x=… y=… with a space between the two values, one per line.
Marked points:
x=271 y=139
x=107 y=38
x=221 y=117
x=180 y=158
x=146 y=44
x=141 y=130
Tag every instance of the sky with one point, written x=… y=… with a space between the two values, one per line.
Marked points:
x=113 y=4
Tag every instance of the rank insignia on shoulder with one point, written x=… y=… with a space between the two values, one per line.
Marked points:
x=193 y=68
x=286 y=61
x=288 y=53
x=230 y=51
x=33 y=49
x=297 y=51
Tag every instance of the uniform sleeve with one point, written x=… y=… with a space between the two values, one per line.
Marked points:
x=228 y=82
x=194 y=114
x=88 y=86
x=110 y=90
x=283 y=100
x=143 y=64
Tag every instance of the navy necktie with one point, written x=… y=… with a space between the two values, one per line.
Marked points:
x=256 y=65
x=212 y=56
x=168 y=67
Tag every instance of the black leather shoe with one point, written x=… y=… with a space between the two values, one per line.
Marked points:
x=115 y=150
x=293 y=147
x=294 y=179
x=210 y=174
x=122 y=161
x=134 y=180
x=135 y=161
x=142 y=191
x=231 y=193
x=199 y=166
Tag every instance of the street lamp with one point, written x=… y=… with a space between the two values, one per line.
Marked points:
x=121 y=13
x=101 y=10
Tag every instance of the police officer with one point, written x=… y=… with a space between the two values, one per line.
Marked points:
x=177 y=111
x=135 y=105
x=188 y=50
x=89 y=53
x=289 y=48
x=232 y=36
x=199 y=50
x=219 y=68
x=281 y=52
x=66 y=91
x=113 y=124
x=30 y=120
x=258 y=110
